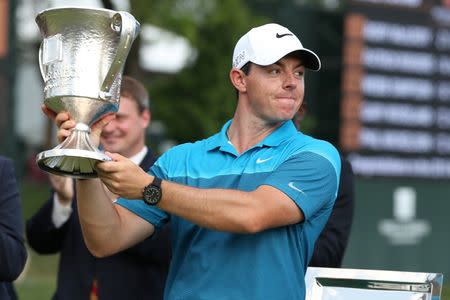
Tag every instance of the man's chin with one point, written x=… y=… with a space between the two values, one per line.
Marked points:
x=110 y=148
x=114 y=146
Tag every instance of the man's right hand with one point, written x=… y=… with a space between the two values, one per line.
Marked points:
x=65 y=124
x=63 y=187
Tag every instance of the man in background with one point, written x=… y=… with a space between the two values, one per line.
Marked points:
x=13 y=254
x=330 y=247
x=135 y=273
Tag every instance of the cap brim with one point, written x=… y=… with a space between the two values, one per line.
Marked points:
x=310 y=59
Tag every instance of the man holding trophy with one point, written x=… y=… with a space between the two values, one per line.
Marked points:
x=81 y=60
x=245 y=205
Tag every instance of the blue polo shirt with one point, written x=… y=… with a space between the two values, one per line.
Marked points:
x=210 y=264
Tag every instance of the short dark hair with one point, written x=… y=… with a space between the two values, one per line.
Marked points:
x=246 y=69
x=135 y=90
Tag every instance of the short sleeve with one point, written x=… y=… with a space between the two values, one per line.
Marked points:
x=309 y=179
x=151 y=214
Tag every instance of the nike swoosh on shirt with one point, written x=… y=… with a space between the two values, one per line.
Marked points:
x=292 y=186
x=262 y=160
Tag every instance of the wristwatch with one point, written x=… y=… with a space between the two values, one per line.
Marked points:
x=152 y=193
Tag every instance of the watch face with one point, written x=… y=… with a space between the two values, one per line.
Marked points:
x=152 y=194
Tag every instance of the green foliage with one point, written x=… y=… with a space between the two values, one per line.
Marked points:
x=38 y=281
x=194 y=103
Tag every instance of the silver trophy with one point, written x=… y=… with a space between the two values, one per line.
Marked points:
x=81 y=59
x=356 y=284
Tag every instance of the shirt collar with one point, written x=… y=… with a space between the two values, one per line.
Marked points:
x=139 y=157
x=220 y=140
x=282 y=133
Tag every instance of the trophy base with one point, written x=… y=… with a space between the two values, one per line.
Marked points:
x=75 y=157
x=70 y=162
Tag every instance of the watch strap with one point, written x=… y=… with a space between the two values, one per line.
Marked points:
x=152 y=192
x=156 y=182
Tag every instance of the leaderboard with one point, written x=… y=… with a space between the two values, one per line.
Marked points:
x=395 y=104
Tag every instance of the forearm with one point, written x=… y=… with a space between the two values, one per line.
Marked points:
x=98 y=217
x=107 y=228
x=219 y=209
x=230 y=210
x=212 y=208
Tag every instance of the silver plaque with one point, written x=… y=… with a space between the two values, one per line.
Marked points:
x=361 y=284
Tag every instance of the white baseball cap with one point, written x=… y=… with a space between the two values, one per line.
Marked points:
x=266 y=44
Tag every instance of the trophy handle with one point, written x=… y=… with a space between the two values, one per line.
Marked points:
x=129 y=29
x=41 y=67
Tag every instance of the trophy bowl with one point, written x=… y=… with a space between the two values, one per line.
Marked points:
x=81 y=59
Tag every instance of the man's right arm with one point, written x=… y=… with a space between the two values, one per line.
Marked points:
x=107 y=228
x=62 y=198
x=42 y=234
x=45 y=230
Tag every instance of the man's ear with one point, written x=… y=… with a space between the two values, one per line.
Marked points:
x=237 y=78
x=146 y=117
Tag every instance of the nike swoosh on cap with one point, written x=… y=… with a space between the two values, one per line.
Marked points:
x=282 y=35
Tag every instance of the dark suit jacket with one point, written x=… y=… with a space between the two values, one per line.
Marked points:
x=136 y=273
x=13 y=254
x=332 y=242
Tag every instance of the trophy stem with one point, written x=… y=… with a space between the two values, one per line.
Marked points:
x=75 y=157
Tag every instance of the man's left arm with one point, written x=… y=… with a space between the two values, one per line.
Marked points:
x=220 y=209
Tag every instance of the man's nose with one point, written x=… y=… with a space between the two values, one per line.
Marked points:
x=109 y=127
x=290 y=81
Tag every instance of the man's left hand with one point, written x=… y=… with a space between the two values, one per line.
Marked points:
x=123 y=177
